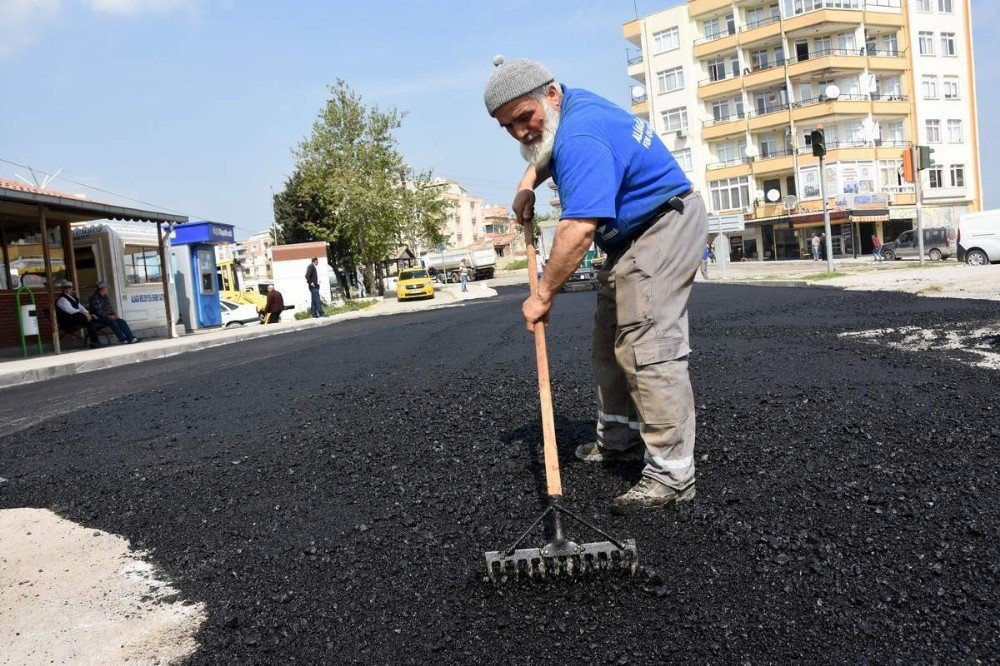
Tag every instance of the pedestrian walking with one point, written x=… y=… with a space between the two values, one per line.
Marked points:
x=877 y=248
x=822 y=245
x=463 y=276
x=274 y=307
x=815 y=246
x=312 y=279
x=706 y=254
x=621 y=188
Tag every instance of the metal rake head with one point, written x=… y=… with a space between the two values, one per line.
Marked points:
x=563 y=559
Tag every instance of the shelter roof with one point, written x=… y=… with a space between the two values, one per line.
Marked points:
x=23 y=200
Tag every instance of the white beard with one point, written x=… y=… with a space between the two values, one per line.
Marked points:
x=539 y=153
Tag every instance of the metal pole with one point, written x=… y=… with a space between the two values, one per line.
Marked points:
x=46 y=253
x=164 y=271
x=919 y=191
x=826 y=215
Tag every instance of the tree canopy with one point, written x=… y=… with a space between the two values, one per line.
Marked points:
x=352 y=188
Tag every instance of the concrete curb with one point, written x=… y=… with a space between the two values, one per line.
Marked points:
x=773 y=283
x=39 y=369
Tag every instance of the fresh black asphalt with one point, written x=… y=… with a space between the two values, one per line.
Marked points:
x=329 y=493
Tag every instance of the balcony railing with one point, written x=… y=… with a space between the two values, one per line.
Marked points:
x=769 y=108
x=729 y=76
x=849 y=97
x=773 y=154
x=718 y=35
x=725 y=119
x=635 y=59
x=733 y=161
x=639 y=99
x=862 y=51
x=760 y=23
x=856 y=143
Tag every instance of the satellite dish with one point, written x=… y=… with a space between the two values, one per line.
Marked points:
x=832 y=92
x=759 y=194
x=638 y=91
x=790 y=202
x=773 y=195
x=751 y=151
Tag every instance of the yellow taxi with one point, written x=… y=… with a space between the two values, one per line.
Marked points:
x=414 y=283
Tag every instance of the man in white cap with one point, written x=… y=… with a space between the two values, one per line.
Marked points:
x=620 y=187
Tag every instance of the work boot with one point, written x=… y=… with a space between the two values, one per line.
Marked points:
x=650 y=494
x=594 y=452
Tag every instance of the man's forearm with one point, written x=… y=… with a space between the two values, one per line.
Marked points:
x=573 y=239
x=533 y=177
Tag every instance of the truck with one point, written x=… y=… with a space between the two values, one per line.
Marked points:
x=480 y=260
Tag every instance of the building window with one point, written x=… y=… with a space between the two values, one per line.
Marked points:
x=768 y=147
x=929 y=87
x=730 y=193
x=955 y=131
x=683 y=158
x=142 y=264
x=935 y=177
x=933 y=131
x=924 y=6
x=720 y=110
x=717 y=69
x=945 y=7
x=926 y=43
x=725 y=153
x=675 y=119
x=951 y=87
x=893 y=131
x=670 y=80
x=958 y=175
x=948 y=44
x=666 y=40
x=889 y=174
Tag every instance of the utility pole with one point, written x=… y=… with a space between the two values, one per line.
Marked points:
x=819 y=150
x=918 y=199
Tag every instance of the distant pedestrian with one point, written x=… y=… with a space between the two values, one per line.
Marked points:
x=815 y=247
x=312 y=279
x=275 y=305
x=711 y=254
x=822 y=245
x=705 y=254
x=877 y=248
x=463 y=276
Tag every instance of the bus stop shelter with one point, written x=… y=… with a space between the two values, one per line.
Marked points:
x=37 y=250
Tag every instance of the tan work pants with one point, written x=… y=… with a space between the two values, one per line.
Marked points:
x=639 y=346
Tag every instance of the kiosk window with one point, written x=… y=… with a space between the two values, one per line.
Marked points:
x=206 y=269
x=142 y=264
x=22 y=261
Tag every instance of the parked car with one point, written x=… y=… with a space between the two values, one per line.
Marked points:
x=583 y=279
x=238 y=314
x=938 y=244
x=414 y=283
x=979 y=238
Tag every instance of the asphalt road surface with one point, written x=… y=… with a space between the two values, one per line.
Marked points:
x=329 y=493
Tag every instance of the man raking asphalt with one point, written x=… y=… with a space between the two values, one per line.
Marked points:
x=620 y=187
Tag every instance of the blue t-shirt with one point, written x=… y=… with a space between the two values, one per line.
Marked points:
x=611 y=166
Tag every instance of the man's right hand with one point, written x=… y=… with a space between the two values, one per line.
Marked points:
x=524 y=206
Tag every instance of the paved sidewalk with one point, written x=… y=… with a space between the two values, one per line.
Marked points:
x=40 y=368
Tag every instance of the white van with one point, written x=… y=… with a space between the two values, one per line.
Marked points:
x=979 y=238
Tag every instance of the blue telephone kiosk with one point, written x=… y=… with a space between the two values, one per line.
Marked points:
x=192 y=245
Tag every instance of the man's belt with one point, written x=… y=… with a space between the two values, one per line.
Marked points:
x=674 y=203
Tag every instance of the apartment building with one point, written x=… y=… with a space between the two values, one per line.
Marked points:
x=735 y=87
x=465 y=224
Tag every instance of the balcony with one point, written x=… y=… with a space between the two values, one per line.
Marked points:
x=765 y=74
x=734 y=123
x=832 y=18
x=851 y=150
x=769 y=115
x=712 y=44
x=632 y=31
x=756 y=31
x=636 y=68
x=774 y=161
x=731 y=168
x=640 y=107
x=714 y=88
x=850 y=104
x=702 y=7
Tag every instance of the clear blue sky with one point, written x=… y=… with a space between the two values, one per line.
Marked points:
x=194 y=105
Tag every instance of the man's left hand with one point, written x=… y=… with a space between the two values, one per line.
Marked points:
x=536 y=310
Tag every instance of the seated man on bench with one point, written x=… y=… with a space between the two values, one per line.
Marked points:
x=101 y=308
x=72 y=316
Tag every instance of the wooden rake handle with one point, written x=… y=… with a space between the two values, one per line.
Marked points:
x=553 y=481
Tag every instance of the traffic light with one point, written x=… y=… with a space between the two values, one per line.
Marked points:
x=926 y=157
x=818 y=143
x=908 y=165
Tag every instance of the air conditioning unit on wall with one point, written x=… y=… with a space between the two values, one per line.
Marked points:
x=681 y=134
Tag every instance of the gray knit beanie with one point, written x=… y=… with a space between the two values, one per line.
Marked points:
x=512 y=79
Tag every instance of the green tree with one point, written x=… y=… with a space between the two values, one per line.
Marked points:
x=353 y=173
